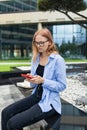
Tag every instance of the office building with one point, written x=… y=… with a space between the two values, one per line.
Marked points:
x=74 y=35
x=15 y=40
x=19 y=19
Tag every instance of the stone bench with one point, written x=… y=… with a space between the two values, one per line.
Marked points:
x=4 y=76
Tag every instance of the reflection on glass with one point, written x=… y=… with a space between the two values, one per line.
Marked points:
x=72 y=118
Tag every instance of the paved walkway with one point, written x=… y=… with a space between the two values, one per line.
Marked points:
x=6 y=96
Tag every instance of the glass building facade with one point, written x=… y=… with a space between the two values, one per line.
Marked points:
x=74 y=35
x=10 y=6
x=15 y=40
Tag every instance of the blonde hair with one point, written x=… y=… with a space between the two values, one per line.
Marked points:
x=45 y=33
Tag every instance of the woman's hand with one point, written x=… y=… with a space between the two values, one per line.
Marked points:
x=36 y=79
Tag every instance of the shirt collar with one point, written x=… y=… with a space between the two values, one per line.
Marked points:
x=52 y=55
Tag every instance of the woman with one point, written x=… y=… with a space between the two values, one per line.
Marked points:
x=48 y=79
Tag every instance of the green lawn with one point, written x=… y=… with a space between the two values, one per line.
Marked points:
x=9 y=67
x=16 y=63
x=6 y=65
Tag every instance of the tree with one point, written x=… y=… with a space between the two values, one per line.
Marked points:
x=71 y=47
x=65 y=6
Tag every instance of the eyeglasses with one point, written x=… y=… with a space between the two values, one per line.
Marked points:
x=41 y=43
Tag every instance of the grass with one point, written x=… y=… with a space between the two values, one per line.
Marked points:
x=4 y=68
x=16 y=63
x=6 y=65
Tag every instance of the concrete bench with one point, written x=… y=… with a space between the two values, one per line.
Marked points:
x=4 y=76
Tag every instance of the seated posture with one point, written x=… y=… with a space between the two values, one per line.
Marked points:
x=48 y=77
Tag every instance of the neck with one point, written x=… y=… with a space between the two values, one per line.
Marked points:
x=44 y=55
x=43 y=59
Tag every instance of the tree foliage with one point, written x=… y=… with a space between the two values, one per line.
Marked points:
x=64 y=6
x=69 y=48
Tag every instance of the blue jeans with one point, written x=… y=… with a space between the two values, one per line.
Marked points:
x=26 y=112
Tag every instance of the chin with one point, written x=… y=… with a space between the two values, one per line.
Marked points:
x=40 y=50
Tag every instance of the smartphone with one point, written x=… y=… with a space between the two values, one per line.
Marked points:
x=26 y=76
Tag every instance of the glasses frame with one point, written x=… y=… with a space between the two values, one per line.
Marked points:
x=41 y=43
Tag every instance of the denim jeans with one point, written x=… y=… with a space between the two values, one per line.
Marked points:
x=26 y=112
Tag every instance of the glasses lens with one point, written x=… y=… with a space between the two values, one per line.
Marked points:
x=40 y=43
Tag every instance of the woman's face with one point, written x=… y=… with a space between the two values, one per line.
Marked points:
x=41 y=43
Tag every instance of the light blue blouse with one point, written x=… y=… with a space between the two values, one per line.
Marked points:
x=54 y=82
